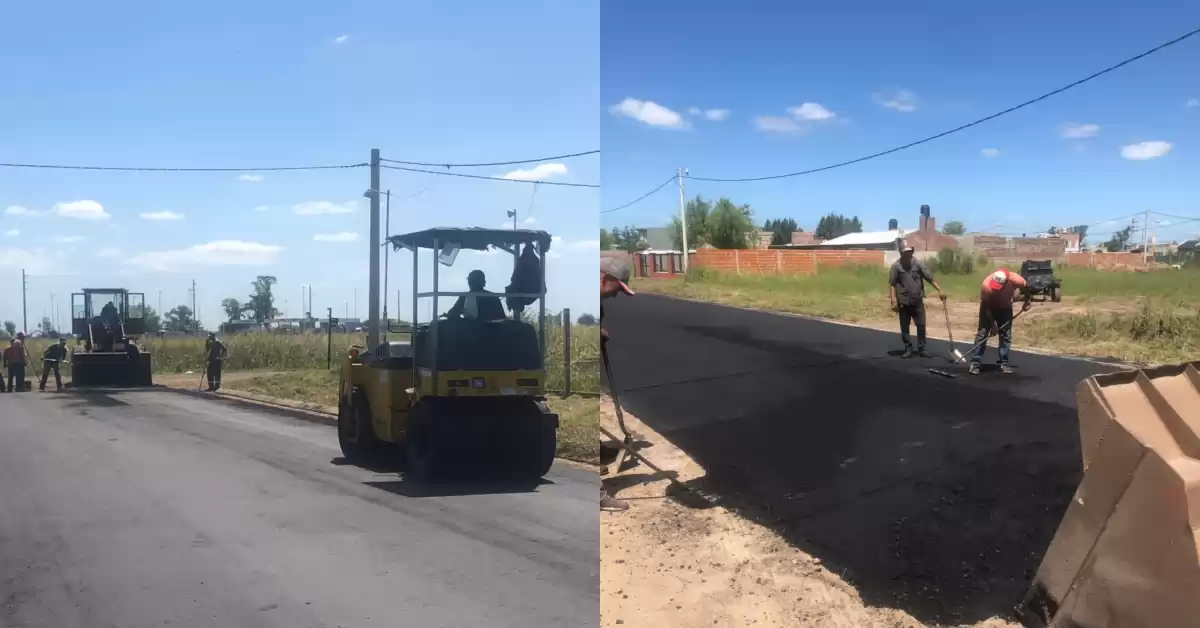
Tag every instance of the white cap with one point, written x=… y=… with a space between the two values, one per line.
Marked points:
x=1000 y=277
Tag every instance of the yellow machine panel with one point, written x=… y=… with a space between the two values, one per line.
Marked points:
x=482 y=383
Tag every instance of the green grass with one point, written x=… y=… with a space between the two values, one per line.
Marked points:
x=297 y=352
x=578 y=433
x=1150 y=317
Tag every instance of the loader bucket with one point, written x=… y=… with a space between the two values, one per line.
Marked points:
x=111 y=369
x=1127 y=552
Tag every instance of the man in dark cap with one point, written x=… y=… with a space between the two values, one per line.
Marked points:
x=614 y=280
x=906 y=291
x=215 y=353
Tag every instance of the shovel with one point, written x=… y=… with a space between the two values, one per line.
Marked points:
x=950 y=332
x=960 y=357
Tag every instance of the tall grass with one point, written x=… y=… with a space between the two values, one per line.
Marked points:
x=1152 y=334
x=291 y=352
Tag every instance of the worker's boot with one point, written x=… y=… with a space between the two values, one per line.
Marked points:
x=974 y=368
x=1005 y=368
x=908 y=353
x=608 y=502
x=923 y=353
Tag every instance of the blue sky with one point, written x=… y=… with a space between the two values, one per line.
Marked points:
x=860 y=77
x=262 y=84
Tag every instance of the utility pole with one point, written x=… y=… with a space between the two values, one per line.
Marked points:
x=682 y=218
x=373 y=291
x=512 y=213
x=24 y=307
x=1145 y=233
x=387 y=230
x=160 y=312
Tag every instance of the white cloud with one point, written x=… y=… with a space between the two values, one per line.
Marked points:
x=990 y=152
x=19 y=210
x=66 y=239
x=811 y=112
x=34 y=261
x=218 y=253
x=262 y=208
x=1073 y=131
x=540 y=172
x=648 y=112
x=715 y=115
x=12 y=232
x=83 y=210
x=317 y=208
x=903 y=101
x=584 y=245
x=340 y=39
x=1145 y=150
x=1193 y=102
x=529 y=221
x=252 y=178
x=109 y=253
x=344 y=236
x=777 y=124
x=163 y=215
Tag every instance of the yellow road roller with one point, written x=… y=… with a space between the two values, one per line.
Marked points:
x=463 y=391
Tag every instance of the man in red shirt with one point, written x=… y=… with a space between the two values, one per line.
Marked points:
x=996 y=297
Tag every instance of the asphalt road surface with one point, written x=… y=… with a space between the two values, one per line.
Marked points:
x=153 y=508
x=930 y=494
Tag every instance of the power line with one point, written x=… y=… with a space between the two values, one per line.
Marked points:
x=640 y=198
x=965 y=126
x=477 y=176
x=494 y=163
x=157 y=169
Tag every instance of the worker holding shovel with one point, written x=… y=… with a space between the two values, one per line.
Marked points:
x=614 y=280
x=906 y=291
x=996 y=297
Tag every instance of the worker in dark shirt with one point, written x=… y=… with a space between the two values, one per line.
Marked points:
x=906 y=291
x=14 y=361
x=215 y=354
x=52 y=359
x=484 y=308
x=614 y=280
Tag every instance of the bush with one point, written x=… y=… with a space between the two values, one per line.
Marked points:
x=954 y=261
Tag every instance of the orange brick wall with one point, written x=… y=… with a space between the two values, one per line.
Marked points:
x=763 y=262
x=1106 y=261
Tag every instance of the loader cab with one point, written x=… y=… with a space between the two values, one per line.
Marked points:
x=127 y=309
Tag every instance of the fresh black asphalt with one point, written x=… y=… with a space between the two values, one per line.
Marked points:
x=933 y=495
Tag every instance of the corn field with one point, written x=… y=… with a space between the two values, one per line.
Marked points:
x=293 y=352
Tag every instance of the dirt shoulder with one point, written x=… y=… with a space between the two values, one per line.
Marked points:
x=664 y=564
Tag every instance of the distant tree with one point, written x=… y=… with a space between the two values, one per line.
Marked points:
x=628 y=239
x=261 y=303
x=606 y=240
x=781 y=230
x=233 y=309
x=586 y=319
x=836 y=225
x=1119 y=240
x=954 y=228
x=1052 y=231
x=731 y=226
x=10 y=328
x=696 y=212
x=151 y=318
x=180 y=319
x=1082 y=231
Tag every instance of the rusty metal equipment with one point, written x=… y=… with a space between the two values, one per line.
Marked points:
x=1127 y=552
